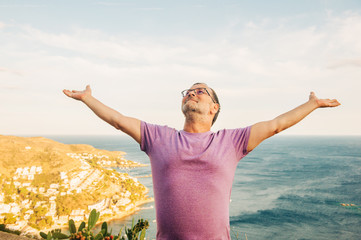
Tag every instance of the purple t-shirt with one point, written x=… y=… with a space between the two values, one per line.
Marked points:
x=192 y=179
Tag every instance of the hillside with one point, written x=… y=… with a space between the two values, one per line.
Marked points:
x=44 y=183
x=52 y=156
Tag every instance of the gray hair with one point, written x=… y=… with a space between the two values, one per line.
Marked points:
x=215 y=97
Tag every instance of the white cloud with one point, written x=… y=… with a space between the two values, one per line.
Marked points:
x=20 y=5
x=345 y=63
x=264 y=51
x=6 y=70
x=259 y=66
x=11 y=87
x=151 y=9
x=111 y=4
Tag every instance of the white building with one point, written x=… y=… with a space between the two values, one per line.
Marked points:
x=5 y=208
x=54 y=185
x=40 y=203
x=77 y=215
x=74 y=182
x=29 y=212
x=26 y=203
x=99 y=206
x=19 y=171
x=62 y=220
x=107 y=211
x=17 y=184
x=14 y=227
x=63 y=175
x=127 y=194
x=25 y=171
x=15 y=208
x=51 y=191
x=130 y=206
x=52 y=210
x=33 y=170
x=30 y=230
x=123 y=201
x=39 y=170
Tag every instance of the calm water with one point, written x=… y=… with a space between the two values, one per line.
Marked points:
x=290 y=187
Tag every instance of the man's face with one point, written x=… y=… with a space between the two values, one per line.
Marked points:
x=200 y=103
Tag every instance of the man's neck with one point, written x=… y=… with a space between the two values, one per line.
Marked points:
x=193 y=127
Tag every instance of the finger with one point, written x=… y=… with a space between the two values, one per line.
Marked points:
x=335 y=102
x=312 y=95
x=67 y=92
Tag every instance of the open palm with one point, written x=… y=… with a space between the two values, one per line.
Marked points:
x=78 y=95
x=322 y=103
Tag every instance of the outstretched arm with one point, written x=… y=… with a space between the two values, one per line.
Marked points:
x=263 y=130
x=128 y=125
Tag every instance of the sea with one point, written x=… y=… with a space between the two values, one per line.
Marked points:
x=289 y=187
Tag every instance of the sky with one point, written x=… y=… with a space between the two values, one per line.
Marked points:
x=261 y=57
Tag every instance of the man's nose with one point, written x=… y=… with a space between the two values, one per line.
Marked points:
x=192 y=93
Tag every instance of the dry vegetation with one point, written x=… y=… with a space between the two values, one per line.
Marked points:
x=49 y=154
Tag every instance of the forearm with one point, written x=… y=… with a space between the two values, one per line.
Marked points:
x=263 y=130
x=104 y=112
x=294 y=116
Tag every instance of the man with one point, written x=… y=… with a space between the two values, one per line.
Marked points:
x=193 y=169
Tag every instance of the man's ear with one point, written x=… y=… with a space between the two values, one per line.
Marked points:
x=215 y=108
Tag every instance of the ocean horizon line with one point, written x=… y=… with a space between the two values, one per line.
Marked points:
x=124 y=135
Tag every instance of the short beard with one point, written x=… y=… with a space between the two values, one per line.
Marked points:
x=186 y=109
x=191 y=112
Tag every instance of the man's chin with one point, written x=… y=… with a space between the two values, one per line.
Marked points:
x=187 y=108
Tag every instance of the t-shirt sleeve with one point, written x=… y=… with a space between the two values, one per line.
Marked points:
x=240 y=137
x=148 y=135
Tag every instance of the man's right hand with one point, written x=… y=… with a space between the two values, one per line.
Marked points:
x=78 y=95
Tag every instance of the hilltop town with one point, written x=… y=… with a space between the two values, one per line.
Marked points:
x=36 y=195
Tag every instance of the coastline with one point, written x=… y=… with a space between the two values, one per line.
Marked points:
x=90 y=164
x=107 y=219
x=126 y=213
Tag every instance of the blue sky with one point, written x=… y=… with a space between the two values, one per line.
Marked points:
x=262 y=57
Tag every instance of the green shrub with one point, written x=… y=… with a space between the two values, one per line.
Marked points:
x=83 y=232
